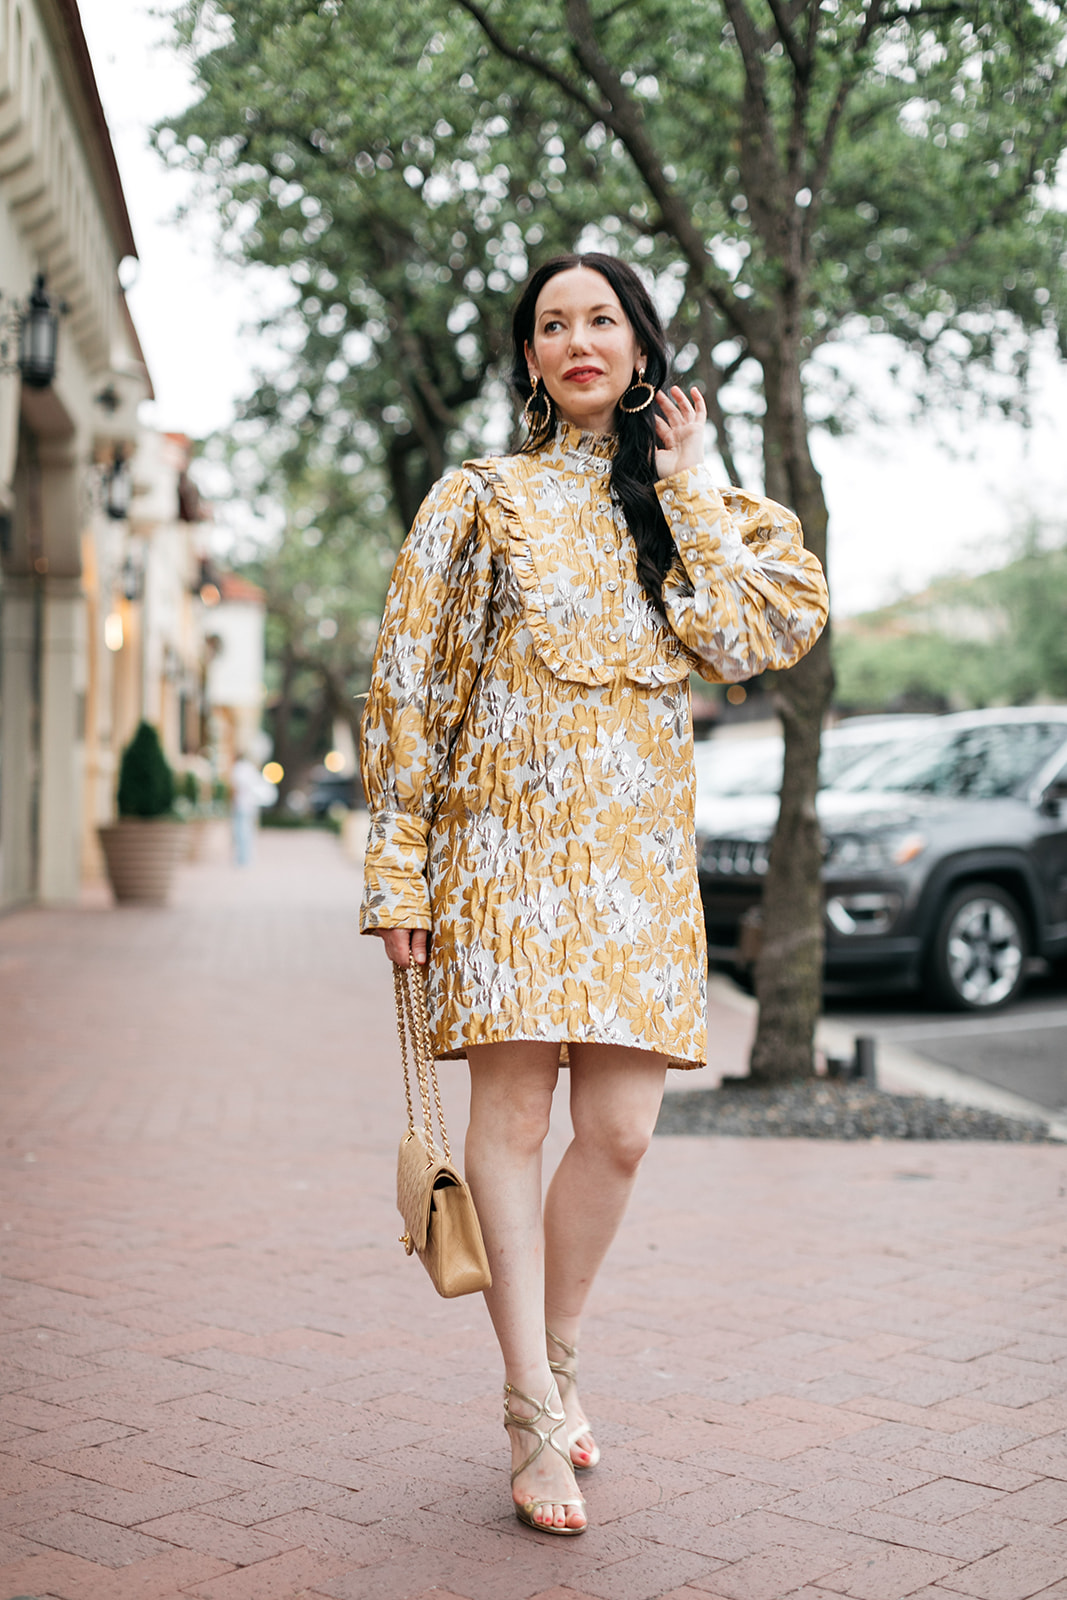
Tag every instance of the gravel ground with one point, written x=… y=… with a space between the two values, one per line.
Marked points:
x=823 y=1110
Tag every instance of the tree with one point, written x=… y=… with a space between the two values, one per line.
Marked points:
x=348 y=147
x=324 y=569
x=800 y=171
x=818 y=164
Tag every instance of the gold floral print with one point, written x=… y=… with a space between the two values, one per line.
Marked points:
x=527 y=742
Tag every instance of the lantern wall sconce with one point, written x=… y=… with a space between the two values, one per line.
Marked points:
x=131 y=579
x=30 y=328
x=119 y=484
x=108 y=399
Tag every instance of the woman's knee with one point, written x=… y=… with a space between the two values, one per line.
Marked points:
x=620 y=1143
x=615 y=1101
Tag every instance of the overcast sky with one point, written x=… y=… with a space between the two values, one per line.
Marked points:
x=902 y=508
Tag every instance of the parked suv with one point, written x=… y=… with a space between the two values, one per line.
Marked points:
x=945 y=859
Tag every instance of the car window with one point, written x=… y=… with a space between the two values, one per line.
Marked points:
x=837 y=759
x=729 y=768
x=735 y=767
x=983 y=763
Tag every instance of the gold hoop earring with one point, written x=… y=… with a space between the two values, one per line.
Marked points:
x=544 y=401
x=631 y=411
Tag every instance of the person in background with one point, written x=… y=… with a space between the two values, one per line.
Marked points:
x=249 y=790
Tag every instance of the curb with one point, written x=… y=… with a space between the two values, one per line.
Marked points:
x=904 y=1071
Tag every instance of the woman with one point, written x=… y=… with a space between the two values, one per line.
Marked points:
x=527 y=757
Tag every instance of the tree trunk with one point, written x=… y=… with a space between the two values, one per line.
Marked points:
x=295 y=747
x=283 y=712
x=789 y=968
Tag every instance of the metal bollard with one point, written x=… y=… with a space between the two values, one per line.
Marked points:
x=864 y=1065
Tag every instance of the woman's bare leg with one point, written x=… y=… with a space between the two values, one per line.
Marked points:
x=615 y=1100
x=511 y=1101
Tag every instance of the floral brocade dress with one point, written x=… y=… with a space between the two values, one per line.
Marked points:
x=527 y=747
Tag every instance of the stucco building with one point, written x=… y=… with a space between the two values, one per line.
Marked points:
x=110 y=608
x=63 y=228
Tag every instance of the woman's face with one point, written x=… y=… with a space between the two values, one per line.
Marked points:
x=583 y=348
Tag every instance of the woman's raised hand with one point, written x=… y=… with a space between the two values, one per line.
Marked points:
x=680 y=430
x=405 y=945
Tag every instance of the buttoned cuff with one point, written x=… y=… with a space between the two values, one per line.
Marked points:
x=395 y=893
x=693 y=507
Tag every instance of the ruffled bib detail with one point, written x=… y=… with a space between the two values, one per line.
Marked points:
x=575 y=565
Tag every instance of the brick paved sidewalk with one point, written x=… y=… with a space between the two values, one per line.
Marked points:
x=816 y=1370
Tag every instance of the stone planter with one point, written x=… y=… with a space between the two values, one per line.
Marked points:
x=141 y=854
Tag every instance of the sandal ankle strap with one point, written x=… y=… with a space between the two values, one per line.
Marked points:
x=567 y=1368
x=544 y=1436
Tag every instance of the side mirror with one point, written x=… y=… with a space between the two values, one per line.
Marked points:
x=1051 y=802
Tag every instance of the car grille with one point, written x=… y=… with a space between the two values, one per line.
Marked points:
x=737 y=858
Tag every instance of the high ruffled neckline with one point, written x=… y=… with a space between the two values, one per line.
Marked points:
x=572 y=445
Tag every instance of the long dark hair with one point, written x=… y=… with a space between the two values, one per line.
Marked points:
x=633 y=468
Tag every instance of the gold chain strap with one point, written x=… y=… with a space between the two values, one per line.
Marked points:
x=418 y=1053
x=401 y=1028
x=417 y=984
x=413 y=1024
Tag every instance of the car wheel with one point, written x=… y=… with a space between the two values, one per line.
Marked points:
x=978 y=958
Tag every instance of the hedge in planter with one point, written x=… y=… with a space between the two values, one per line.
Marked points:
x=146 y=783
x=143 y=847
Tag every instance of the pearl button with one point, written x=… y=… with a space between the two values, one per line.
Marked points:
x=699 y=572
x=612 y=586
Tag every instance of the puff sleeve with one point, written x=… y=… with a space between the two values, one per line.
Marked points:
x=744 y=596
x=427 y=659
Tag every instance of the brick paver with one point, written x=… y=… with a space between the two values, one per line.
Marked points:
x=818 y=1371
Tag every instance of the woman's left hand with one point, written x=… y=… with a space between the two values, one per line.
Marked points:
x=680 y=430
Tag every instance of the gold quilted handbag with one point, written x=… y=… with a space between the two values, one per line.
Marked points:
x=440 y=1221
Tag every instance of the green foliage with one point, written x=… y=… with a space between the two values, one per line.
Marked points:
x=795 y=175
x=146 y=783
x=909 y=672
x=280 y=817
x=348 y=147
x=1033 y=593
x=324 y=575
x=997 y=639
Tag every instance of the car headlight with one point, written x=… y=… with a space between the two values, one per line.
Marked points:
x=851 y=852
x=741 y=858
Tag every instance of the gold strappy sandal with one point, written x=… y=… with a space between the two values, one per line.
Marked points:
x=544 y=1436
x=567 y=1372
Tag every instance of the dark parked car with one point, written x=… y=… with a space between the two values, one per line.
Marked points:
x=945 y=859
x=330 y=789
